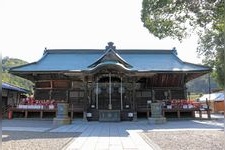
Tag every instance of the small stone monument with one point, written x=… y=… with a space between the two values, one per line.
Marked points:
x=62 y=114
x=156 y=114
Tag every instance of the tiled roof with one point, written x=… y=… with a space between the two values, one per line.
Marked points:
x=81 y=59
x=13 y=88
x=213 y=96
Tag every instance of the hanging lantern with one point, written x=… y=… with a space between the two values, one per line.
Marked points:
x=108 y=90
x=121 y=89
x=97 y=90
x=166 y=94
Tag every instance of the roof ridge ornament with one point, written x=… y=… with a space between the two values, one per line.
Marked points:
x=110 y=46
x=45 y=50
x=174 y=50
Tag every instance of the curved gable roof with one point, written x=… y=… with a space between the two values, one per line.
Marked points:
x=110 y=57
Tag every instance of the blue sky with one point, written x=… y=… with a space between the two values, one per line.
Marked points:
x=27 y=27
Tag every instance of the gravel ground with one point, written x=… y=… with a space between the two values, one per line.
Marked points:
x=186 y=140
x=18 y=140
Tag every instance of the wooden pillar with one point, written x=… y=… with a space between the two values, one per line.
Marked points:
x=17 y=99
x=67 y=95
x=178 y=113
x=208 y=114
x=41 y=114
x=110 y=91
x=183 y=89
x=7 y=100
x=121 y=93
x=134 y=107
x=50 y=92
x=71 y=114
x=85 y=98
x=200 y=113
x=193 y=113
x=26 y=113
x=96 y=93
x=163 y=112
x=134 y=95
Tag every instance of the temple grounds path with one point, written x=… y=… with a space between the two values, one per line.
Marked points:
x=30 y=134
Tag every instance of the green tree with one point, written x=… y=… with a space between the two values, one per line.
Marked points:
x=12 y=79
x=179 y=19
x=201 y=85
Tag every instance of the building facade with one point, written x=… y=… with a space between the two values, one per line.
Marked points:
x=119 y=84
x=10 y=96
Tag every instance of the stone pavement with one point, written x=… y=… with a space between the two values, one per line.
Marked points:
x=108 y=136
x=113 y=135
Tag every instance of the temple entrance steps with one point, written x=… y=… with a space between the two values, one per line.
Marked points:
x=125 y=115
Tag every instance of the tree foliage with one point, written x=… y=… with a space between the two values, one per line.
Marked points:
x=12 y=79
x=202 y=85
x=179 y=19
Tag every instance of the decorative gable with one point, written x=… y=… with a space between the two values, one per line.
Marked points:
x=110 y=57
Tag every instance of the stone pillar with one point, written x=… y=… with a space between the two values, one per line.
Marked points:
x=156 y=110
x=156 y=114
x=62 y=114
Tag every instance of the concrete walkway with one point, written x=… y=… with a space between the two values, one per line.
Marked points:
x=112 y=135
